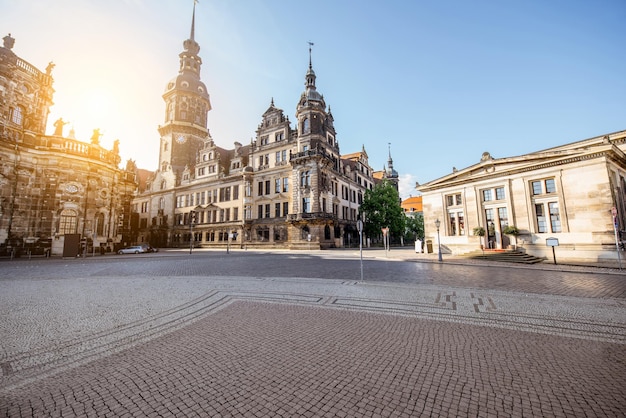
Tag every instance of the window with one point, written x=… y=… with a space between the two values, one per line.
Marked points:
x=306 y=205
x=223 y=194
x=504 y=218
x=267 y=210
x=305 y=178
x=277 y=185
x=260 y=190
x=277 y=157
x=267 y=187
x=285 y=208
x=306 y=126
x=541 y=218
x=499 y=193
x=260 y=212
x=235 y=214
x=277 y=210
x=555 y=219
x=144 y=207
x=68 y=222
x=17 y=115
x=454 y=200
x=236 y=192
x=285 y=184
x=543 y=186
x=487 y=195
x=456 y=223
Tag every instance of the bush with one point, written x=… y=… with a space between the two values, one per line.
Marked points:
x=479 y=231
x=510 y=230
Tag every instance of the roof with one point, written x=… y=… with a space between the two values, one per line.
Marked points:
x=612 y=145
x=412 y=204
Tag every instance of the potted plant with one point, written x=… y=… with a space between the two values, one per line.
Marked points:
x=479 y=231
x=513 y=231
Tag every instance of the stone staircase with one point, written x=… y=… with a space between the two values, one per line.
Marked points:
x=508 y=256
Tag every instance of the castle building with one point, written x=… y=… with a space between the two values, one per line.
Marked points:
x=289 y=188
x=58 y=195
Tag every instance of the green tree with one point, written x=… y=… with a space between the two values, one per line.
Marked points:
x=414 y=226
x=381 y=209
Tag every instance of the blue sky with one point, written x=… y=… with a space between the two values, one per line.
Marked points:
x=441 y=81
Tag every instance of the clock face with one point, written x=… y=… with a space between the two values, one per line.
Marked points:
x=181 y=139
x=71 y=188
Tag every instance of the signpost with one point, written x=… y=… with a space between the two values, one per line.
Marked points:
x=552 y=242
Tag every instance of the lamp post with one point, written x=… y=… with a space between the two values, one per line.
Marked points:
x=438 y=224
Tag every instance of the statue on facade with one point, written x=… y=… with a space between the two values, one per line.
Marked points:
x=58 y=127
x=49 y=68
x=95 y=137
x=116 y=147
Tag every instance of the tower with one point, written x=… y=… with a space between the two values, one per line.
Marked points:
x=315 y=126
x=390 y=174
x=187 y=104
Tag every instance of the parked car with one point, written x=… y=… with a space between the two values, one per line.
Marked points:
x=136 y=249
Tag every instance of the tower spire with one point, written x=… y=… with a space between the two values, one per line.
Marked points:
x=193 y=21
x=310 y=55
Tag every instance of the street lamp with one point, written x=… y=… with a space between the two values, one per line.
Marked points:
x=438 y=224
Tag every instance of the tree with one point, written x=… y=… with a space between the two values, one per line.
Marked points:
x=381 y=209
x=415 y=226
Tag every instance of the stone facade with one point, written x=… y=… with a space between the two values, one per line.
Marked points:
x=289 y=188
x=567 y=192
x=54 y=187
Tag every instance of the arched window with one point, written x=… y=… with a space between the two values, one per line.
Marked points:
x=17 y=115
x=68 y=222
x=306 y=126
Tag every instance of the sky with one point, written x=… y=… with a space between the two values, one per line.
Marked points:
x=437 y=83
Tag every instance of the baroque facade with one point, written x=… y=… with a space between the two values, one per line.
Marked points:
x=289 y=188
x=573 y=195
x=55 y=191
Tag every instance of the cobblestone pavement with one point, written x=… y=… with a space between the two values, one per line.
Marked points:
x=112 y=338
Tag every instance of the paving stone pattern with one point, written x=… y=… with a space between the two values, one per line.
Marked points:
x=174 y=337
x=256 y=359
